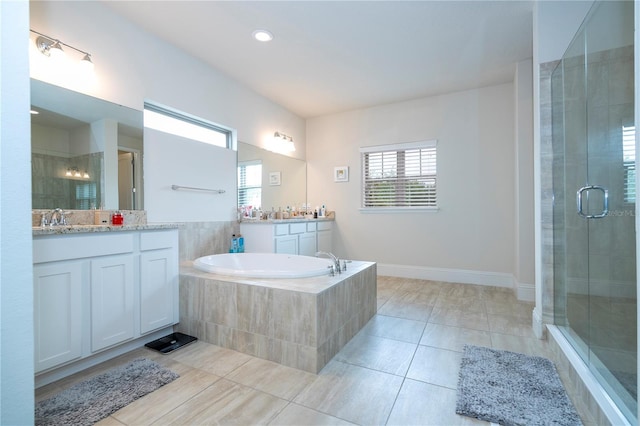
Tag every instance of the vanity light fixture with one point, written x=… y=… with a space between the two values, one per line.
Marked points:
x=75 y=172
x=263 y=35
x=52 y=47
x=285 y=142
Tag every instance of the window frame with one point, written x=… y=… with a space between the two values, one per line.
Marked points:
x=249 y=187
x=398 y=148
x=173 y=121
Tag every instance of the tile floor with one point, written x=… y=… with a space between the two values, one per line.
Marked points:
x=401 y=369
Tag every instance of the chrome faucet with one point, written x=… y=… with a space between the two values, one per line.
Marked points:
x=60 y=219
x=336 y=261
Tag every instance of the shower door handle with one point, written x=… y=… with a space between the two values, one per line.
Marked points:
x=605 y=207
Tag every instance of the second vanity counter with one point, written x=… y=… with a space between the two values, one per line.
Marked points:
x=291 y=236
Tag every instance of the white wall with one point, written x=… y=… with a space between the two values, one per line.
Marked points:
x=173 y=160
x=16 y=282
x=471 y=237
x=132 y=66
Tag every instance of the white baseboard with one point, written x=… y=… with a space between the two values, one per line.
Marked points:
x=539 y=328
x=526 y=292
x=73 y=367
x=496 y=279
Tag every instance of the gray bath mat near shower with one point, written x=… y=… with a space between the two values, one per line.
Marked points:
x=96 y=398
x=512 y=389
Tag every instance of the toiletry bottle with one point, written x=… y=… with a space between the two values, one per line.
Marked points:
x=240 y=243
x=315 y=214
x=234 y=244
x=323 y=211
x=117 y=219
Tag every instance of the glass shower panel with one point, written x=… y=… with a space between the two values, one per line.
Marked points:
x=594 y=199
x=612 y=255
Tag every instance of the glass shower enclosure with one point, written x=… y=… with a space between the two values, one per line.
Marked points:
x=595 y=303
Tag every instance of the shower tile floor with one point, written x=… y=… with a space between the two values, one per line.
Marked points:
x=400 y=369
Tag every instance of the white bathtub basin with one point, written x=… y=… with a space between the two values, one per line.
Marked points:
x=263 y=265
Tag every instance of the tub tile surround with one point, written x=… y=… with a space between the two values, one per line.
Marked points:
x=300 y=323
x=199 y=239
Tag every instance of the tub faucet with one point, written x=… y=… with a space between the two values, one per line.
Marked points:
x=336 y=261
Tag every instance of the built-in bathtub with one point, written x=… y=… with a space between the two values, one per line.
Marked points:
x=263 y=265
x=298 y=322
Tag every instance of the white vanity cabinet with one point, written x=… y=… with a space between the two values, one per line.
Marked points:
x=325 y=236
x=158 y=280
x=112 y=305
x=304 y=237
x=95 y=291
x=57 y=313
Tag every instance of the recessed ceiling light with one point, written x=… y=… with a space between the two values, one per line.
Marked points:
x=262 y=35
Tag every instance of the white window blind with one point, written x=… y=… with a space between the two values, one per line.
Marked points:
x=250 y=184
x=86 y=196
x=629 y=162
x=399 y=176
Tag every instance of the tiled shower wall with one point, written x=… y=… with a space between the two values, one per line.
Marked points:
x=546 y=189
x=50 y=187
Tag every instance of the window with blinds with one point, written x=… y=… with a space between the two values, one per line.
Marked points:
x=401 y=176
x=86 y=196
x=250 y=184
x=629 y=163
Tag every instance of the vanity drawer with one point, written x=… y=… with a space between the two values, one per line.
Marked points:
x=55 y=248
x=282 y=229
x=297 y=228
x=153 y=240
x=324 y=226
x=311 y=227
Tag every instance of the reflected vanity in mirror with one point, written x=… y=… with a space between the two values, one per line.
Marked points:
x=85 y=152
x=269 y=180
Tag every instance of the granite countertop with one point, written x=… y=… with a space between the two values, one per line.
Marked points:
x=78 y=229
x=330 y=218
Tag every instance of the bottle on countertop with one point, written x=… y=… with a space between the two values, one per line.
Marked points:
x=240 y=243
x=117 y=218
x=323 y=211
x=234 y=244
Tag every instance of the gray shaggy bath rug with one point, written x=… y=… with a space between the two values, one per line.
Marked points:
x=512 y=389
x=94 y=399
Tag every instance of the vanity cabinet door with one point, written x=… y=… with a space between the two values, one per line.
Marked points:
x=112 y=307
x=57 y=313
x=325 y=236
x=158 y=289
x=308 y=244
x=287 y=244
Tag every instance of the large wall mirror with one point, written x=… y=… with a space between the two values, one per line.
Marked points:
x=270 y=180
x=85 y=152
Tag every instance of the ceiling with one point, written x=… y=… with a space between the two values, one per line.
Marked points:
x=332 y=56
